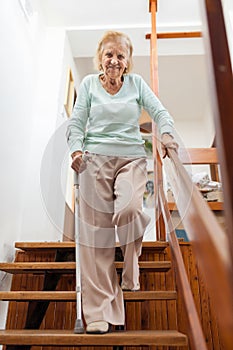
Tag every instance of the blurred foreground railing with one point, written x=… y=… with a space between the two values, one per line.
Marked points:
x=210 y=243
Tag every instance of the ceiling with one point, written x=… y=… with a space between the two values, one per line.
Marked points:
x=104 y=13
x=182 y=71
x=86 y=21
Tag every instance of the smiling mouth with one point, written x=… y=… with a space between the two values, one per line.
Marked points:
x=113 y=67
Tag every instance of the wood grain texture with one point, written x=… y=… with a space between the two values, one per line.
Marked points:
x=71 y=296
x=221 y=92
x=198 y=155
x=69 y=267
x=155 y=246
x=211 y=248
x=145 y=312
x=177 y=35
x=55 y=337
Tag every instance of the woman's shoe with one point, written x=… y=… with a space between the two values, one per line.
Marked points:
x=126 y=289
x=97 y=327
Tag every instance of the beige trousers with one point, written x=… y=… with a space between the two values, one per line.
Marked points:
x=111 y=194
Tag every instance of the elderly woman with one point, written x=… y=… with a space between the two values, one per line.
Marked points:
x=105 y=128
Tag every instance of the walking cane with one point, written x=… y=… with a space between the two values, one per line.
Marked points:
x=78 y=329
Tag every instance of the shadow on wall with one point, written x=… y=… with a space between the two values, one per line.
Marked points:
x=5 y=280
x=5 y=284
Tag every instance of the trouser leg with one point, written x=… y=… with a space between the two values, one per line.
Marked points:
x=111 y=191
x=128 y=216
x=101 y=294
x=102 y=297
x=130 y=273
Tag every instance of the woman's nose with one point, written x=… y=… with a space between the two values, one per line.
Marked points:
x=114 y=60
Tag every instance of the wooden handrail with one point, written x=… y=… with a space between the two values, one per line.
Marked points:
x=196 y=336
x=221 y=87
x=210 y=243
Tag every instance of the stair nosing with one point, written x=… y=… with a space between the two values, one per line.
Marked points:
x=71 y=295
x=157 y=245
x=69 y=267
x=66 y=338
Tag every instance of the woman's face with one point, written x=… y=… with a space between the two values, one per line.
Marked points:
x=114 y=59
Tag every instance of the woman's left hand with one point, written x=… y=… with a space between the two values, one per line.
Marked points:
x=168 y=142
x=77 y=158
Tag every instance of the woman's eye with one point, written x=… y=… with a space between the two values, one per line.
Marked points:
x=121 y=57
x=108 y=54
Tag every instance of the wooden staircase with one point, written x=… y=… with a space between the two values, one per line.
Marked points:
x=42 y=299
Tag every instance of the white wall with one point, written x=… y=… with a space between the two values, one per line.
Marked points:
x=17 y=91
x=38 y=222
x=33 y=66
x=228 y=14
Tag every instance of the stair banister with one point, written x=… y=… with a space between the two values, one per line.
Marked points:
x=196 y=334
x=213 y=248
x=221 y=87
x=210 y=244
x=194 y=329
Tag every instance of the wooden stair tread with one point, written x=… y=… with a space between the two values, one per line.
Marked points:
x=68 y=338
x=69 y=267
x=160 y=246
x=71 y=295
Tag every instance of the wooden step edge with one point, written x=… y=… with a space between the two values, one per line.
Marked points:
x=68 y=338
x=45 y=245
x=69 y=267
x=153 y=245
x=150 y=295
x=71 y=296
x=160 y=266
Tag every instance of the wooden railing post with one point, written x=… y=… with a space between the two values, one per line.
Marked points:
x=158 y=175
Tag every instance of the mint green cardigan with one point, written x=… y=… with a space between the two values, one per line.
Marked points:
x=108 y=124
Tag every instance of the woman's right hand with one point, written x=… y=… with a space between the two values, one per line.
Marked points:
x=168 y=142
x=76 y=160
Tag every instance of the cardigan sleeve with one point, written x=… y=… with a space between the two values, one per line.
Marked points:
x=155 y=109
x=76 y=129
